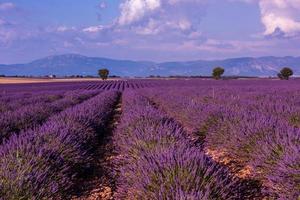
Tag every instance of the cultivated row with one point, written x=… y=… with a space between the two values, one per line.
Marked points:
x=44 y=163
x=157 y=161
x=254 y=131
x=36 y=112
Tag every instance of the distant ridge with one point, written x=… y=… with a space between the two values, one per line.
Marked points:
x=74 y=64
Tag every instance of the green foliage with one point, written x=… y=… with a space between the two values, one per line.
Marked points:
x=218 y=72
x=285 y=73
x=103 y=73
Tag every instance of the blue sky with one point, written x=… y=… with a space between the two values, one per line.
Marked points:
x=158 y=30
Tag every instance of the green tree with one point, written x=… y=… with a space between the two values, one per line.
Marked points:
x=285 y=73
x=103 y=73
x=218 y=72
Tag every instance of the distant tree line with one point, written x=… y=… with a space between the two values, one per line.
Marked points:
x=218 y=72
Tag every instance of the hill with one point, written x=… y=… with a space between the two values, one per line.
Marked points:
x=73 y=64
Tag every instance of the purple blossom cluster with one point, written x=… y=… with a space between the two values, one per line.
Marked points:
x=253 y=127
x=158 y=161
x=43 y=163
x=173 y=139
x=6 y=89
x=37 y=111
x=14 y=101
x=120 y=85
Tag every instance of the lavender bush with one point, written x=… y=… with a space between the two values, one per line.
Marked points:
x=35 y=114
x=43 y=163
x=159 y=162
x=256 y=129
x=173 y=139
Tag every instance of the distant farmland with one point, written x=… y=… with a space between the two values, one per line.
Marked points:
x=12 y=80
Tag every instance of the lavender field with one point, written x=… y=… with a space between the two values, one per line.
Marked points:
x=150 y=139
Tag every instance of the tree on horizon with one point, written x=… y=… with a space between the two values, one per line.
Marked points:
x=218 y=72
x=103 y=73
x=285 y=73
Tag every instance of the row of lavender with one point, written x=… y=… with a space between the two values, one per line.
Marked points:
x=120 y=85
x=44 y=162
x=16 y=100
x=8 y=89
x=33 y=111
x=11 y=89
x=158 y=161
x=253 y=128
x=26 y=106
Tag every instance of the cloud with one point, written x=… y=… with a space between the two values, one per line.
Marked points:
x=93 y=29
x=7 y=29
x=148 y=17
x=65 y=28
x=134 y=10
x=280 y=17
x=102 y=5
x=6 y=6
x=154 y=30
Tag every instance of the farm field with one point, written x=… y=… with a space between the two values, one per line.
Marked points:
x=150 y=139
x=10 y=80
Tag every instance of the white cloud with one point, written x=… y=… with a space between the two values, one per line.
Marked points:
x=6 y=6
x=152 y=17
x=161 y=30
x=134 y=10
x=102 y=5
x=279 y=16
x=65 y=29
x=93 y=29
x=152 y=28
x=274 y=23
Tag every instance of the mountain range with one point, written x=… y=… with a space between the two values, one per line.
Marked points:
x=73 y=64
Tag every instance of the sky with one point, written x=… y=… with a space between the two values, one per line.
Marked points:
x=156 y=30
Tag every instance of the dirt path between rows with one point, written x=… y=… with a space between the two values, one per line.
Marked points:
x=99 y=183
